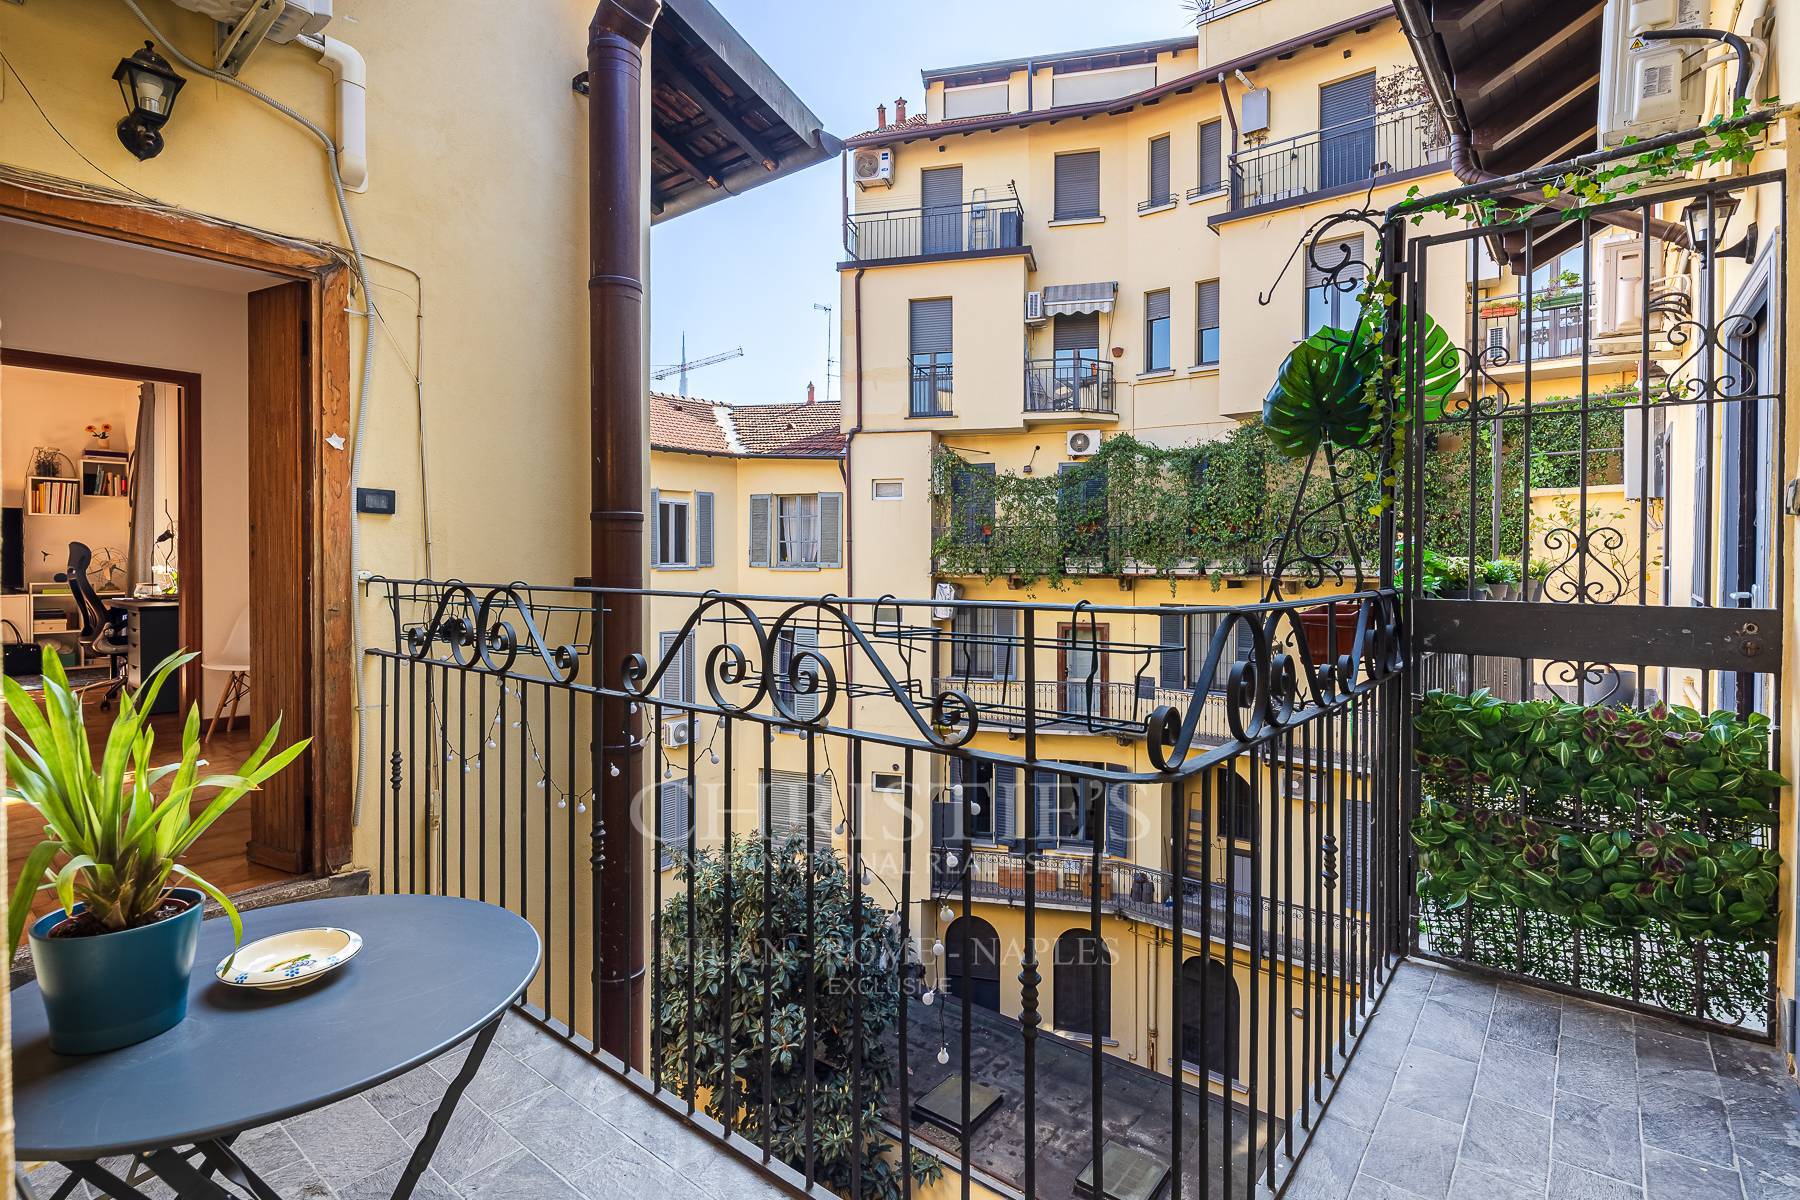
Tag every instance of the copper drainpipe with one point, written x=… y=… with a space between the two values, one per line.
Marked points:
x=618 y=400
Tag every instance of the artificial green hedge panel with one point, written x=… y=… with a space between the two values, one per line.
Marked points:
x=1652 y=779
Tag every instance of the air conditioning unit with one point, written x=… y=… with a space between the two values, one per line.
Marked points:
x=675 y=734
x=1034 y=308
x=250 y=23
x=1621 y=302
x=874 y=167
x=1649 y=87
x=1083 y=442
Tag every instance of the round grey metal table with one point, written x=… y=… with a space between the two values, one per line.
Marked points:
x=434 y=971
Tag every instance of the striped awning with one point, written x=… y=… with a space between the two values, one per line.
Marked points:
x=1079 y=297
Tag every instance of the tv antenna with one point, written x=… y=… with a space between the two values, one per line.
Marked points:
x=830 y=362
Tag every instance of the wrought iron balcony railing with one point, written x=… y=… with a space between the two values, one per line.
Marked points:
x=1116 y=708
x=1555 y=328
x=784 y=761
x=1230 y=915
x=1340 y=156
x=939 y=231
x=933 y=392
x=1073 y=386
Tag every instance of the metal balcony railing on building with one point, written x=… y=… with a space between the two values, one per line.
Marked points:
x=1073 y=386
x=933 y=390
x=1116 y=708
x=941 y=231
x=1231 y=916
x=1556 y=327
x=792 y=754
x=1341 y=156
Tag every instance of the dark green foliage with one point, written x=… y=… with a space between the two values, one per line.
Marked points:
x=847 y=967
x=1677 y=803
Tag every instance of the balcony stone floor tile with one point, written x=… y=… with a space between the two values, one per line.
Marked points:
x=1570 y=1100
x=541 y=1121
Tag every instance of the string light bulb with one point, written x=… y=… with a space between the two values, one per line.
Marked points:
x=937 y=948
x=928 y=998
x=714 y=755
x=946 y=914
x=613 y=770
x=943 y=1055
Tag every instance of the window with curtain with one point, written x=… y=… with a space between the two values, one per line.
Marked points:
x=1206 y=323
x=797 y=531
x=1156 y=331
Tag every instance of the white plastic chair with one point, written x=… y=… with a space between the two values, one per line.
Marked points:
x=234 y=660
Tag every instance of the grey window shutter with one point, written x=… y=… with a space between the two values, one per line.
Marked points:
x=831 y=529
x=1329 y=255
x=703 y=529
x=1173 y=672
x=1159 y=170
x=1044 y=787
x=1211 y=159
x=669 y=687
x=1077 y=331
x=672 y=818
x=656 y=547
x=1118 y=819
x=1077 y=185
x=760 y=508
x=688 y=649
x=1347 y=100
x=1246 y=645
x=1006 y=781
x=1156 y=305
x=941 y=213
x=806 y=705
x=931 y=326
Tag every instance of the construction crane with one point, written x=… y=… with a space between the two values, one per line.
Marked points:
x=692 y=364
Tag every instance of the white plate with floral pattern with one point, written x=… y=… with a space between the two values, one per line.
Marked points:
x=289 y=960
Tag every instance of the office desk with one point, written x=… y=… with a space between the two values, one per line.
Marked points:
x=153 y=632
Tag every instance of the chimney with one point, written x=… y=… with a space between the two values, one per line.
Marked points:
x=809 y=391
x=900 y=111
x=881 y=116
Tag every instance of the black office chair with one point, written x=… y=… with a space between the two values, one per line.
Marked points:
x=103 y=629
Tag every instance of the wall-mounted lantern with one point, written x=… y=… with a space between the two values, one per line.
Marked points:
x=149 y=85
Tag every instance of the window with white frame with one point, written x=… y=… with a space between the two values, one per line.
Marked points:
x=797 y=531
x=671 y=539
x=888 y=489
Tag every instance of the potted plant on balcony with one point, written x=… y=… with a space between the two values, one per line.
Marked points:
x=1500 y=576
x=113 y=961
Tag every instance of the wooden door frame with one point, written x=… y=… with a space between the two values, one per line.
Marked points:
x=1065 y=636
x=331 y=714
x=187 y=503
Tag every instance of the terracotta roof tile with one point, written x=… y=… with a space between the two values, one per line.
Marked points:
x=694 y=426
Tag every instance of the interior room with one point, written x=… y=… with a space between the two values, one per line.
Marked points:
x=126 y=453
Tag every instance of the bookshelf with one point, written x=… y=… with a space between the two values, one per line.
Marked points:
x=52 y=496
x=105 y=473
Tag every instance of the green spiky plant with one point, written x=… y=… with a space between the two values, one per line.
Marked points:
x=109 y=842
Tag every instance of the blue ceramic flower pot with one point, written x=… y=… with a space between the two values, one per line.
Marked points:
x=104 y=992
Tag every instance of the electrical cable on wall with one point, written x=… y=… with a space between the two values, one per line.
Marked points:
x=368 y=363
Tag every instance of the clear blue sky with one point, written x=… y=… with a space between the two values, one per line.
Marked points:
x=748 y=270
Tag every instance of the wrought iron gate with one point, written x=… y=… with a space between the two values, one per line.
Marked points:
x=1594 y=520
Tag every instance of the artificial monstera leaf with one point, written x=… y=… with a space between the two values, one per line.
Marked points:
x=1319 y=396
x=1439 y=363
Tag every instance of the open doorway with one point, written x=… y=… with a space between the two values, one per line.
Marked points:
x=201 y=520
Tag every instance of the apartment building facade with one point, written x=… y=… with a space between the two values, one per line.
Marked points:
x=1058 y=251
